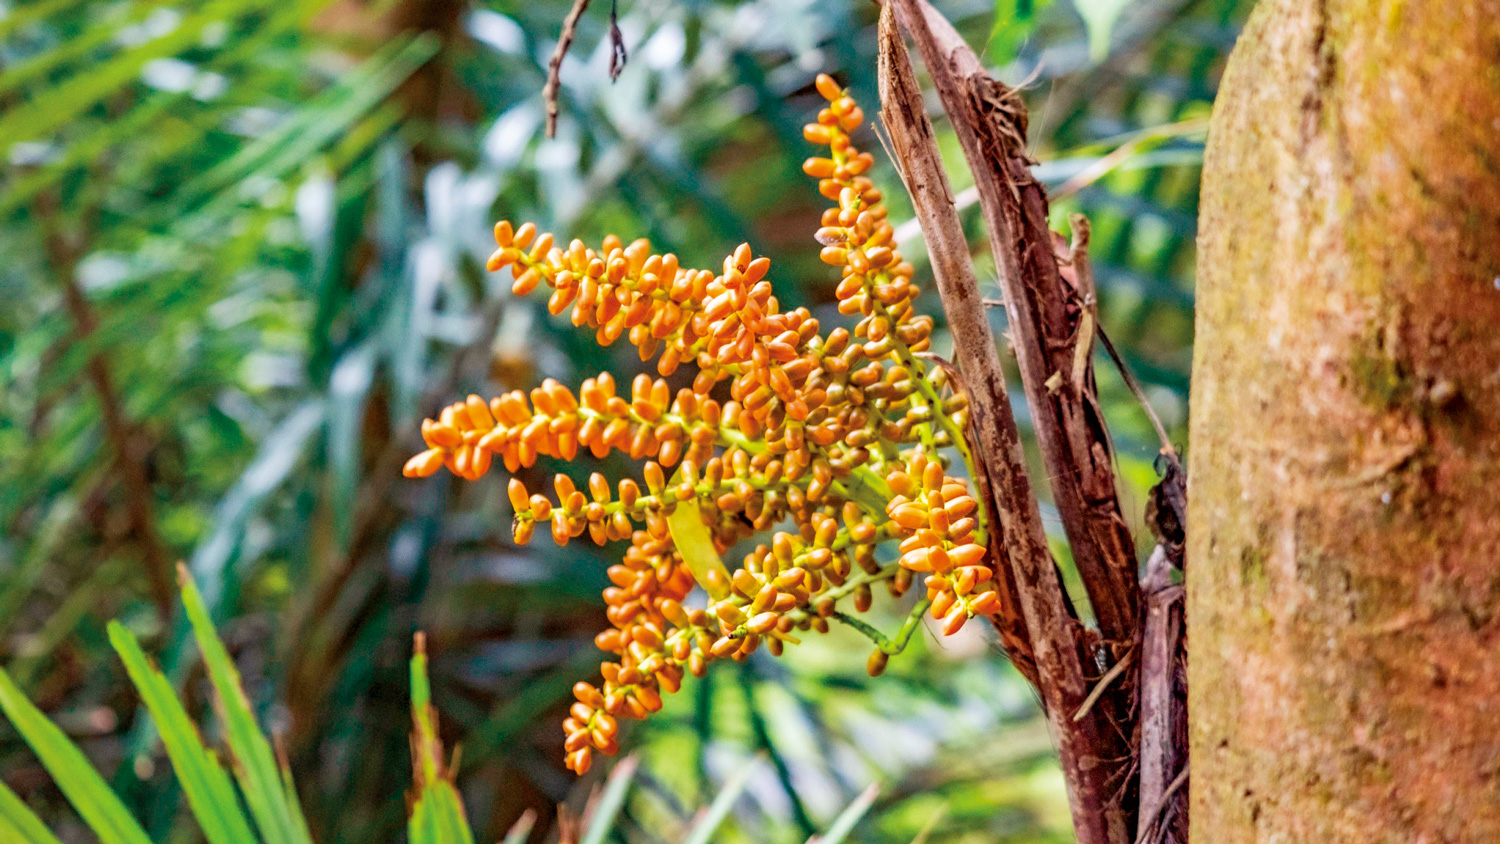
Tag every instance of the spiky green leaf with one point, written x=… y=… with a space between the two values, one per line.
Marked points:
x=71 y=770
x=269 y=794
x=204 y=781
x=437 y=812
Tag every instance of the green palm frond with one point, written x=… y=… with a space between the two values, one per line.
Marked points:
x=71 y=770
x=437 y=813
x=206 y=784
x=18 y=823
x=264 y=785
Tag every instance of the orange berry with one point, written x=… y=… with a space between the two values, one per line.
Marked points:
x=525 y=282
x=909 y=516
x=955 y=621
x=817 y=133
x=987 y=603
x=967 y=555
x=828 y=87
x=424 y=464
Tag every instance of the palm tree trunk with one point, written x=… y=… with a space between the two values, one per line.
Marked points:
x=1344 y=517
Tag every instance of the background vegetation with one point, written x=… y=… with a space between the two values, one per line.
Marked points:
x=244 y=245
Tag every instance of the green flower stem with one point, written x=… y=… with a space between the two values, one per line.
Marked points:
x=893 y=645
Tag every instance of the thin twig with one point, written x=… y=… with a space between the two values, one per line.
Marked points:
x=118 y=428
x=1166 y=799
x=554 y=65
x=1128 y=377
x=1100 y=687
x=1053 y=636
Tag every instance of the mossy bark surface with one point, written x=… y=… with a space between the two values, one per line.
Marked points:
x=1344 y=517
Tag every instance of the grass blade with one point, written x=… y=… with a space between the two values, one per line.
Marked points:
x=847 y=819
x=932 y=823
x=703 y=831
x=71 y=770
x=209 y=791
x=602 y=819
x=38 y=118
x=266 y=792
x=437 y=813
x=521 y=829
x=20 y=825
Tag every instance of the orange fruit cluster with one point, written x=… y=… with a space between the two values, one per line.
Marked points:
x=936 y=516
x=837 y=433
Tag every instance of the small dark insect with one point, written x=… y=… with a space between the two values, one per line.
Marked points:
x=1166 y=505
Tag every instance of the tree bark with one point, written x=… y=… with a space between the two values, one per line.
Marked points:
x=1344 y=516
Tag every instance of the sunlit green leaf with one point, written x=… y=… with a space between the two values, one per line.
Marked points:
x=268 y=794
x=205 y=783
x=71 y=770
x=704 y=828
x=602 y=822
x=1100 y=16
x=849 y=818
x=437 y=812
x=18 y=823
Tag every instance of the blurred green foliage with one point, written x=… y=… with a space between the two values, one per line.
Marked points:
x=244 y=247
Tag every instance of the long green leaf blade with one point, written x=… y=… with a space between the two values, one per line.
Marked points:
x=323 y=119
x=847 y=819
x=38 y=118
x=71 y=770
x=255 y=765
x=603 y=820
x=437 y=813
x=18 y=823
x=76 y=47
x=703 y=831
x=204 y=781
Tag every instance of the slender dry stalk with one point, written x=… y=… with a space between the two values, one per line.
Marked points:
x=63 y=256
x=1087 y=743
x=554 y=64
x=1022 y=549
x=1045 y=320
x=1162 y=756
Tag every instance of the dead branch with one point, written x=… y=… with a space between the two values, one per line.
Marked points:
x=1151 y=832
x=1013 y=514
x=554 y=65
x=618 y=55
x=1161 y=640
x=1054 y=636
x=1045 y=318
x=118 y=429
